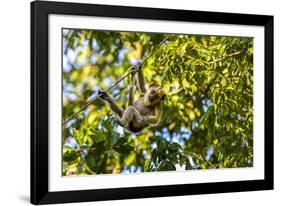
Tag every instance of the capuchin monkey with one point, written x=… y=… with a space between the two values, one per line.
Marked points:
x=144 y=112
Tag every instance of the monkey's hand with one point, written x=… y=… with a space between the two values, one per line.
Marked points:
x=103 y=95
x=141 y=120
x=136 y=68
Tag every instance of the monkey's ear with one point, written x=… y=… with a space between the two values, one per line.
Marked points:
x=163 y=97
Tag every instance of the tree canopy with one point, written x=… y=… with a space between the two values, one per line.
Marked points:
x=207 y=119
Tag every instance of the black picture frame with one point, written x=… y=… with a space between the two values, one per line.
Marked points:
x=40 y=109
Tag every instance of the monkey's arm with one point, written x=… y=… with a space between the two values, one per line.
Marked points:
x=140 y=77
x=113 y=105
x=141 y=82
x=154 y=119
x=132 y=90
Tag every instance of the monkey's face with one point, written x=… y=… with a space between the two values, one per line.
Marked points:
x=153 y=95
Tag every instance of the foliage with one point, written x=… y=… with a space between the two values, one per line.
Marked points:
x=207 y=119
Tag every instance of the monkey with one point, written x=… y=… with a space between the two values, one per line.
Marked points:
x=142 y=113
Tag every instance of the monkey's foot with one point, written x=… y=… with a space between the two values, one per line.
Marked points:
x=115 y=119
x=140 y=120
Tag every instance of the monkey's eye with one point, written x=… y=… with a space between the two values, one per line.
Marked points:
x=152 y=92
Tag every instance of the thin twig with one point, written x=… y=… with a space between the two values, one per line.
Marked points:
x=229 y=55
x=174 y=92
x=151 y=54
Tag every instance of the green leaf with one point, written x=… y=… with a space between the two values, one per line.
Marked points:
x=69 y=154
x=130 y=159
x=188 y=166
x=223 y=82
x=120 y=141
x=147 y=165
x=96 y=157
x=191 y=115
x=124 y=149
x=215 y=141
x=167 y=166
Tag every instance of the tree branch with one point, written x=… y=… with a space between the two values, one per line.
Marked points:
x=175 y=92
x=226 y=56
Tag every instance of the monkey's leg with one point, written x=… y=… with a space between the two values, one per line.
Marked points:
x=113 y=105
x=117 y=119
x=129 y=114
x=131 y=120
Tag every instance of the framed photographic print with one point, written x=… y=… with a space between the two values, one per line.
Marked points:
x=131 y=102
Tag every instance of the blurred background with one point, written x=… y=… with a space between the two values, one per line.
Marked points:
x=207 y=119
